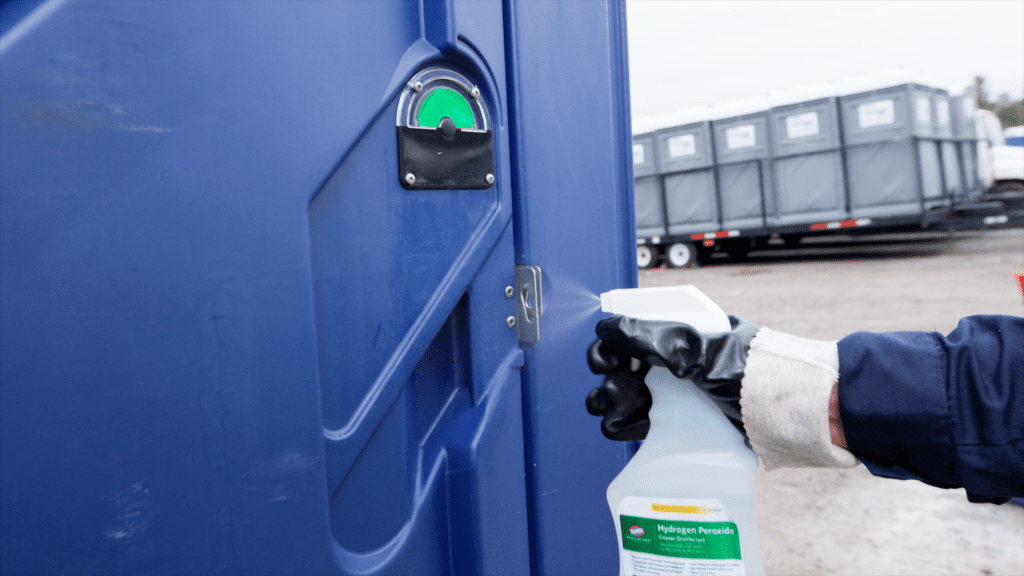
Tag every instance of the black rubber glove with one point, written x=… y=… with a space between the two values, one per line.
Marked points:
x=715 y=363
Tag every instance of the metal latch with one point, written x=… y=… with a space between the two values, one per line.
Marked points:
x=529 y=302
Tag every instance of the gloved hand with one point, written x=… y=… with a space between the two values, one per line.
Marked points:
x=715 y=363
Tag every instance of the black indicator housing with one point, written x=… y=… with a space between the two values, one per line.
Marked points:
x=444 y=156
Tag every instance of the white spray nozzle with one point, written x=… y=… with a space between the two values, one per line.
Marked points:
x=674 y=303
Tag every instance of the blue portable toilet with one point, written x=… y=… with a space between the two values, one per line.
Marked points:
x=306 y=288
x=807 y=159
x=743 y=155
x=686 y=167
x=892 y=159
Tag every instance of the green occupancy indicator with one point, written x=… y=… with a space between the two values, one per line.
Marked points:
x=445 y=102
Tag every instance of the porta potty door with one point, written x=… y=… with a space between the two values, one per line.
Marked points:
x=649 y=199
x=686 y=164
x=807 y=163
x=256 y=266
x=892 y=169
x=745 y=180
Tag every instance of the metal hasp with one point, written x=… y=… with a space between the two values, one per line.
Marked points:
x=529 y=302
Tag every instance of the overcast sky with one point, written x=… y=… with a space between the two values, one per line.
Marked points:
x=685 y=53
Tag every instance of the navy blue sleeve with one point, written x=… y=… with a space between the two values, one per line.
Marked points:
x=946 y=410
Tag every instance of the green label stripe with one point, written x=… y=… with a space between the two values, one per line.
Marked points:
x=681 y=539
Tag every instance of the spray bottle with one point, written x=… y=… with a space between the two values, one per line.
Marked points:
x=684 y=504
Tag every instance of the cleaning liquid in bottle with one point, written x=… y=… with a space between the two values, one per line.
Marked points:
x=684 y=504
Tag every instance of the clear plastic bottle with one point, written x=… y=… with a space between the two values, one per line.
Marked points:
x=684 y=504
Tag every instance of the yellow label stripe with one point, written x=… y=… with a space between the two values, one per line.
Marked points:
x=681 y=509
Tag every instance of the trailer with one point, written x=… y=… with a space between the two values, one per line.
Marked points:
x=874 y=154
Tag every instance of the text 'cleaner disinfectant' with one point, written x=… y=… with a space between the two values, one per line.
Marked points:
x=685 y=502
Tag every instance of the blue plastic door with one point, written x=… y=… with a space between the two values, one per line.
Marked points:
x=419 y=370
x=234 y=343
x=574 y=218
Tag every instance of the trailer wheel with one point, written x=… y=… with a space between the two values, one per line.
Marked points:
x=681 y=255
x=738 y=249
x=644 y=256
x=704 y=254
x=1011 y=194
x=1007 y=187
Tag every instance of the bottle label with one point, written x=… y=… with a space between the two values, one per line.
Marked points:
x=670 y=536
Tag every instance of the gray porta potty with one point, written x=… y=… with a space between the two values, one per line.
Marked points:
x=807 y=163
x=686 y=164
x=965 y=133
x=650 y=210
x=892 y=160
x=743 y=154
x=952 y=177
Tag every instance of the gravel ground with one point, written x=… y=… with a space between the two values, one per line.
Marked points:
x=848 y=521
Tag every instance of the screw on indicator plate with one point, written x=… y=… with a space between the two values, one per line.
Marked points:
x=509 y=291
x=410 y=178
x=511 y=321
x=417 y=86
x=475 y=92
x=489 y=178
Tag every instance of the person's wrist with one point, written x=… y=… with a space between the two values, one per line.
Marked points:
x=835 y=423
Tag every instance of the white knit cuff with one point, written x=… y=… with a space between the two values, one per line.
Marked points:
x=784 y=398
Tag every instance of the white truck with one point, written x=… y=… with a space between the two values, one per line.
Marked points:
x=1002 y=165
x=1001 y=171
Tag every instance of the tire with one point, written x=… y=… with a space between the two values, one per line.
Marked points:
x=681 y=255
x=1009 y=187
x=738 y=250
x=791 y=240
x=704 y=254
x=1011 y=194
x=645 y=256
